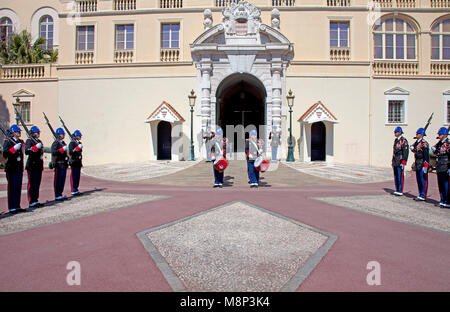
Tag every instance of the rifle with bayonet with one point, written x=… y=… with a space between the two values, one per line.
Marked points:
x=72 y=137
x=50 y=126
x=24 y=126
x=7 y=135
x=428 y=123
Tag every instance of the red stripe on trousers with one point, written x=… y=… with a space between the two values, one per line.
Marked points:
x=402 y=181
x=28 y=188
x=426 y=185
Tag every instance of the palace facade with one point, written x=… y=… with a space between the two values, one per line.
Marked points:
x=125 y=69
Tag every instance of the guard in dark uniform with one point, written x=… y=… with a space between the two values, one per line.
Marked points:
x=34 y=166
x=218 y=151
x=60 y=164
x=421 y=151
x=75 y=152
x=399 y=160
x=13 y=152
x=442 y=151
x=252 y=152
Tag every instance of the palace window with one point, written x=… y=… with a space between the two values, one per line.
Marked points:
x=6 y=29
x=124 y=37
x=396 y=111
x=448 y=111
x=440 y=40
x=46 y=31
x=24 y=111
x=170 y=36
x=339 y=34
x=85 y=38
x=394 y=38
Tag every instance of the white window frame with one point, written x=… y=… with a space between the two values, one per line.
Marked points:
x=170 y=39
x=441 y=34
x=47 y=24
x=116 y=24
x=36 y=23
x=339 y=33
x=95 y=37
x=393 y=32
x=396 y=94
x=446 y=100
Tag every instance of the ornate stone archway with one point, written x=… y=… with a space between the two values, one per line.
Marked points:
x=241 y=43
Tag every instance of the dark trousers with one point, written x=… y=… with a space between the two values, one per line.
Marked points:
x=14 y=189
x=218 y=176
x=59 y=180
x=253 y=174
x=398 y=179
x=34 y=183
x=422 y=183
x=443 y=186
x=75 y=178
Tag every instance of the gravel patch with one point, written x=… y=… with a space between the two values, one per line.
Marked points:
x=236 y=247
x=344 y=172
x=396 y=208
x=76 y=207
x=136 y=171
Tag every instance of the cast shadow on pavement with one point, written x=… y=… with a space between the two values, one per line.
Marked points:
x=53 y=203
x=409 y=195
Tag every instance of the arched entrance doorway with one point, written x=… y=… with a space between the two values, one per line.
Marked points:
x=318 y=141
x=164 y=140
x=241 y=100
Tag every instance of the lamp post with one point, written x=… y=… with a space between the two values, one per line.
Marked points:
x=192 y=97
x=290 y=101
x=16 y=105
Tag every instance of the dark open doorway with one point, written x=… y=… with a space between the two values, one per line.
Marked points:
x=164 y=140
x=318 y=141
x=240 y=101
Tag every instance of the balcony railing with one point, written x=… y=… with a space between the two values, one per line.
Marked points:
x=225 y=3
x=406 y=3
x=124 y=5
x=440 y=68
x=338 y=3
x=384 y=3
x=440 y=3
x=340 y=54
x=124 y=56
x=26 y=71
x=395 y=68
x=84 y=57
x=170 y=4
x=283 y=3
x=170 y=55
x=87 y=6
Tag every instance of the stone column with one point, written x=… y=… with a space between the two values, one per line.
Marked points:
x=276 y=93
x=206 y=68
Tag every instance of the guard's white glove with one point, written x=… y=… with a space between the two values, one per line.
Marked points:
x=39 y=145
x=425 y=169
x=250 y=156
x=402 y=166
x=433 y=148
x=65 y=148
x=260 y=151
x=213 y=158
x=448 y=171
x=79 y=147
x=411 y=148
x=17 y=146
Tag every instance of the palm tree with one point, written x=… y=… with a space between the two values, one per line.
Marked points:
x=20 y=50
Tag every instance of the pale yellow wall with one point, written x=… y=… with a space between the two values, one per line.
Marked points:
x=122 y=96
x=111 y=114
x=426 y=97
x=45 y=99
